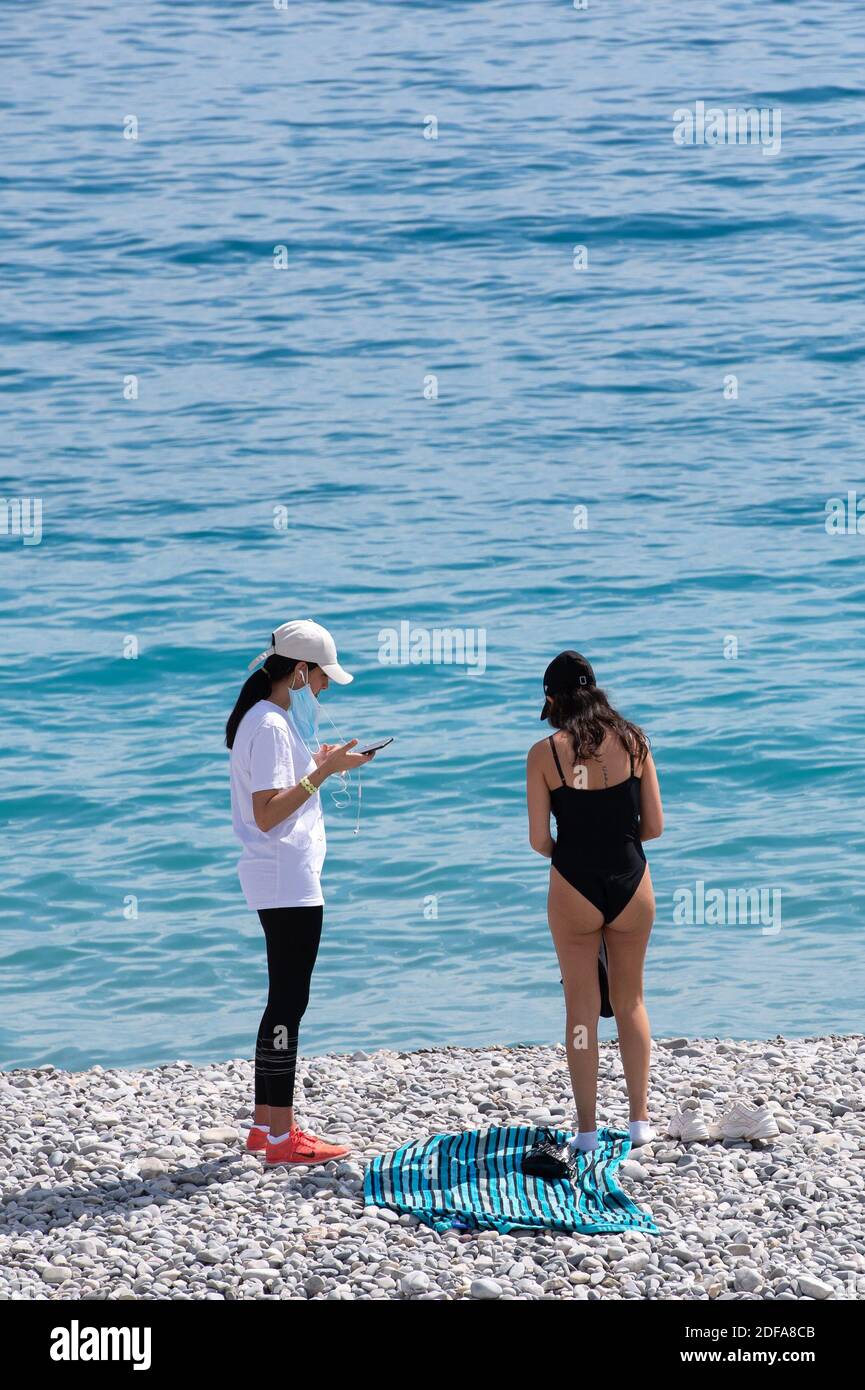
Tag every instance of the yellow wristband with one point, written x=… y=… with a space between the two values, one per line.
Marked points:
x=307 y=786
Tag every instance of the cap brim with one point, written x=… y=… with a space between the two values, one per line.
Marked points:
x=546 y=710
x=336 y=673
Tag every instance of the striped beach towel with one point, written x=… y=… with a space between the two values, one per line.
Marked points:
x=474 y=1181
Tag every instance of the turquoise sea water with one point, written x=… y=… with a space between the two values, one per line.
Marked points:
x=281 y=459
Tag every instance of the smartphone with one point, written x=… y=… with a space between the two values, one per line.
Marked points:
x=374 y=747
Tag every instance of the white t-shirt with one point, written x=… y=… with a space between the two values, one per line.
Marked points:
x=279 y=867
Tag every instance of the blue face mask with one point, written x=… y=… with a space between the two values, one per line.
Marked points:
x=304 y=712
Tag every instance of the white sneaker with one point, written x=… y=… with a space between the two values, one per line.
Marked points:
x=742 y=1120
x=688 y=1122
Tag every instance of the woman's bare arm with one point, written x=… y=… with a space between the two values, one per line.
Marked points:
x=538 y=801
x=651 y=811
x=271 y=807
x=275 y=805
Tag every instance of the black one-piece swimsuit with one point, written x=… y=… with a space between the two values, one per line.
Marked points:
x=598 y=846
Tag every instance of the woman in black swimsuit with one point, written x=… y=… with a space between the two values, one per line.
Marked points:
x=596 y=776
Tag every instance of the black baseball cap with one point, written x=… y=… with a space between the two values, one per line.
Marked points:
x=566 y=672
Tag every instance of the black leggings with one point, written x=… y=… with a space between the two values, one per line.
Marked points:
x=292 y=935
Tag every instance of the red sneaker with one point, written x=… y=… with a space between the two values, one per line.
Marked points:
x=256 y=1140
x=302 y=1148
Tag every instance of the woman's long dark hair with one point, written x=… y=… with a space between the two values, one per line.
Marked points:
x=587 y=715
x=258 y=687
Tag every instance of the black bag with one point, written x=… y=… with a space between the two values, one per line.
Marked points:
x=548 y=1158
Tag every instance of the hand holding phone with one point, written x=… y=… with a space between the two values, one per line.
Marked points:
x=344 y=758
x=322 y=754
x=374 y=747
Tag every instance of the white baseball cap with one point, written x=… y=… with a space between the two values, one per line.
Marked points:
x=306 y=641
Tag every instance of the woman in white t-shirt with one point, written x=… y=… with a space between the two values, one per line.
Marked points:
x=277 y=768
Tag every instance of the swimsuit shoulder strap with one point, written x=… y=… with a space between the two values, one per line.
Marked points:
x=558 y=764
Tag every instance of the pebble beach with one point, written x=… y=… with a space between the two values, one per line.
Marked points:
x=136 y=1185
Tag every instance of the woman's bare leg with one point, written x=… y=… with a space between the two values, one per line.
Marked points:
x=575 y=925
x=626 y=939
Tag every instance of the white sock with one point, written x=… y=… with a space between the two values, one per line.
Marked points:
x=586 y=1139
x=264 y=1128
x=278 y=1138
x=641 y=1131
